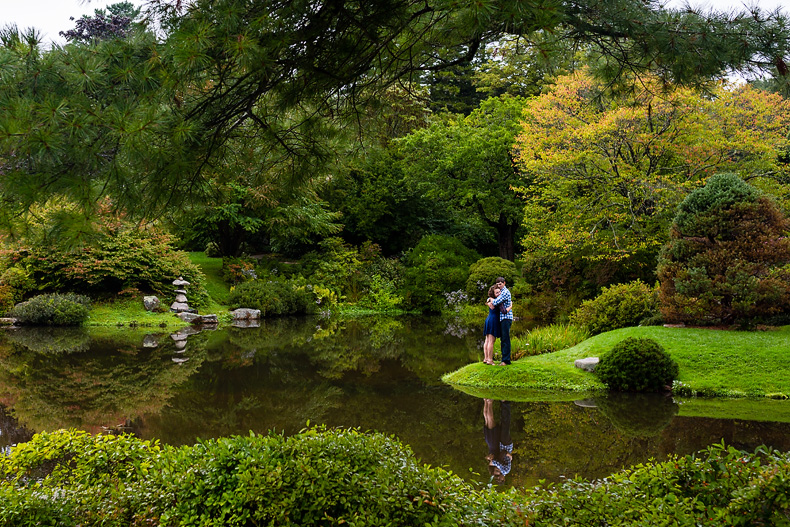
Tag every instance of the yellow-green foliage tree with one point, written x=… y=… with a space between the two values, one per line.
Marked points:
x=604 y=173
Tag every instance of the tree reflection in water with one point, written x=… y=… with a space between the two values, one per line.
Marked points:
x=375 y=374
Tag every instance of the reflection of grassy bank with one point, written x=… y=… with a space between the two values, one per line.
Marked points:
x=712 y=363
x=745 y=409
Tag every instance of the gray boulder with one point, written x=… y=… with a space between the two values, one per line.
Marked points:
x=244 y=313
x=587 y=364
x=151 y=303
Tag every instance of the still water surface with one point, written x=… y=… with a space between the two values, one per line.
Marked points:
x=375 y=374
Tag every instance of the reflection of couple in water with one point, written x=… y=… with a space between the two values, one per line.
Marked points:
x=500 y=445
x=497 y=324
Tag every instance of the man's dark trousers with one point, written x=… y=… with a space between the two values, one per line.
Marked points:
x=505 y=340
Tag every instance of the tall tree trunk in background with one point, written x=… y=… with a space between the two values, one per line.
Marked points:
x=506 y=235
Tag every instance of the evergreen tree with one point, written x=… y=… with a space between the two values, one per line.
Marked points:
x=146 y=119
x=728 y=257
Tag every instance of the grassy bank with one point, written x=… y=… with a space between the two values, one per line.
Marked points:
x=712 y=363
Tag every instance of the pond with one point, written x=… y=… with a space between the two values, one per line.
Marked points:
x=378 y=374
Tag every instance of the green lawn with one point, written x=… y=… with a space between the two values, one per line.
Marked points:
x=129 y=312
x=217 y=288
x=712 y=363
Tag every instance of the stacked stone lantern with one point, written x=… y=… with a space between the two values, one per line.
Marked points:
x=180 y=305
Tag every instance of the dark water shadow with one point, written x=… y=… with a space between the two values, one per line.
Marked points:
x=638 y=414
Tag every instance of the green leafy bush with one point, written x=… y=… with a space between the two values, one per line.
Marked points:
x=53 y=309
x=483 y=272
x=436 y=265
x=637 y=365
x=7 y=299
x=317 y=477
x=618 y=306
x=728 y=258
x=320 y=477
x=19 y=280
x=273 y=297
x=237 y=270
x=337 y=266
x=122 y=258
x=717 y=486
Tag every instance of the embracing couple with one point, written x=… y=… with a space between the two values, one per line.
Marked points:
x=497 y=325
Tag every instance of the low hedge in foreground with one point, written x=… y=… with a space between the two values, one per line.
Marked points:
x=331 y=477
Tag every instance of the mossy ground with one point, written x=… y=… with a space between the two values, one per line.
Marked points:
x=712 y=363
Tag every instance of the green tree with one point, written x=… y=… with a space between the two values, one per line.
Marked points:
x=114 y=22
x=145 y=120
x=604 y=173
x=468 y=162
x=728 y=259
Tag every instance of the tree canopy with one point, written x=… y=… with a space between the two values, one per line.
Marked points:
x=148 y=118
x=605 y=173
x=469 y=162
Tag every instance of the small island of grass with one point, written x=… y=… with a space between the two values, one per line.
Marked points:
x=712 y=363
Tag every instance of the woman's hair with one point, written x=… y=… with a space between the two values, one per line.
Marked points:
x=491 y=291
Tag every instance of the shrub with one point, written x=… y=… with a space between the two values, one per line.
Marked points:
x=237 y=270
x=381 y=295
x=53 y=310
x=19 y=281
x=319 y=477
x=436 y=265
x=617 y=306
x=7 y=299
x=717 y=486
x=637 y=365
x=728 y=258
x=337 y=266
x=483 y=272
x=121 y=259
x=273 y=297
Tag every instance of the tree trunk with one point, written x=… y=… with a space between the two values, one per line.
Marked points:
x=506 y=235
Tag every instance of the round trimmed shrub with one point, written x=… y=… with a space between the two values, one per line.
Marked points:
x=483 y=272
x=618 y=306
x=637 y=365
x=54 y=309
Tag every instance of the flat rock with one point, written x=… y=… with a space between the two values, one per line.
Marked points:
x=244 y=313
x=180 y=307
x=197 y=320
x=586 y=364
x=7 y=321
x=188 y=317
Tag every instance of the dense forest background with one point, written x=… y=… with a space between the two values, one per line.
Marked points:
x=369 y=148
